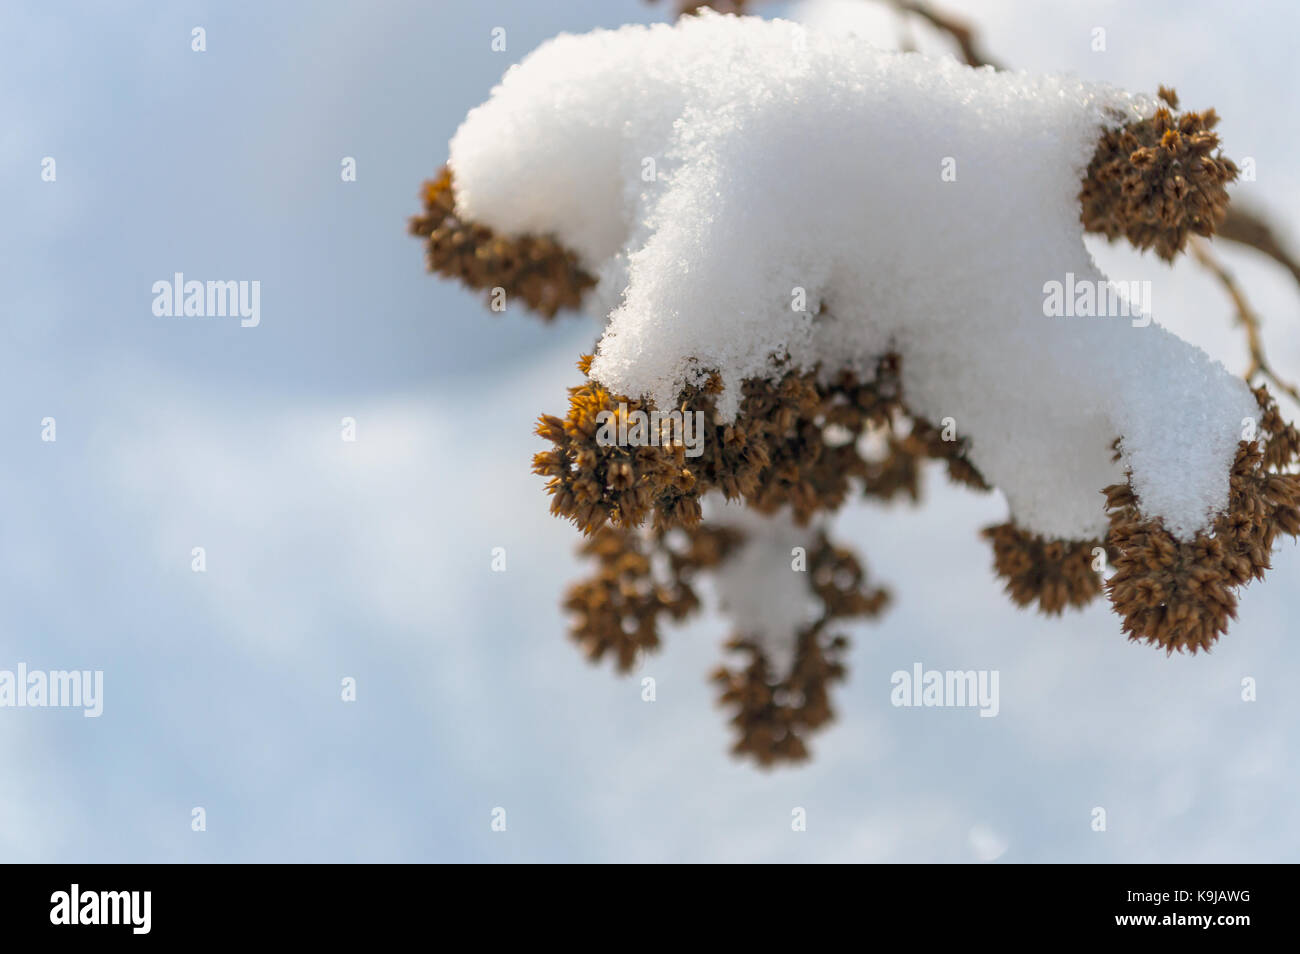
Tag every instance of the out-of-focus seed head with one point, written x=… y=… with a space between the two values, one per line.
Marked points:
x=534 y=269
x=1158 y=181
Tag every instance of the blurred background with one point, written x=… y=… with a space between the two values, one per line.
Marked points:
x=372 y=559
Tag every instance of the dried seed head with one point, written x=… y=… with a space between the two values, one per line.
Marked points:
x=773 y=715
x=618 y=608
x=1181 y=594
x=535 y=269
x=795 y=442
x=1158 y=181
x=1054 y=574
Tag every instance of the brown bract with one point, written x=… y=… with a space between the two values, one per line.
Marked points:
x=536 y=269
x=1158 y=181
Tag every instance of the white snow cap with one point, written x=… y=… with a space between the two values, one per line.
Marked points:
x=722 y=172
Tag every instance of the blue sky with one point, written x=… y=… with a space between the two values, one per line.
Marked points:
x=371 y=559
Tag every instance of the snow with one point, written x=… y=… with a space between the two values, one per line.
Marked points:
x=785 y=160
x=764 y=591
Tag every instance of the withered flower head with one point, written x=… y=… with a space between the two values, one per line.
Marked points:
x=535 y=269
x=619 y=607
x=772 y=715
x=795 y=442
x=593 y=481
x=1180 y=594
x=1158 y=181
x=1053 y=574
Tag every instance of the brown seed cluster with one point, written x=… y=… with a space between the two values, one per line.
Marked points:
x=592 y=482
x=644 y=577
x=1054 y=574
x=926 y=442
x=771 y=715
x=1158 y=181
x=535 y=269
x=1181 y=594
x=794 y=442
x=618 y=609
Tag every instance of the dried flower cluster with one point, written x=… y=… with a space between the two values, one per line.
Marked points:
x=617 y=610
x=1158 y=181
x=810 y=441
x=1054 y=574
x=773 y=714
x=643 y=575
x=533 y=268
x=796 y=443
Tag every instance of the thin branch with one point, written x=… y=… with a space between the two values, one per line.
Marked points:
x=962 y=32
x=1248 y=319
x=1248 y=227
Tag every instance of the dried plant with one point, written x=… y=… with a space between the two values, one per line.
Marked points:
x=805 y=443
x=617 y=609
x=535 y=269
x=1054 y=574
x=1158 y=181
x=1180 y=594
x=772 y=713
x=794 y=443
